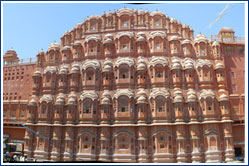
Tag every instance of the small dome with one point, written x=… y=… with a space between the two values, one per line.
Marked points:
x=63 y=71
x=32 y=102
x=185 y=26
x=219 y=66
x=54 y=46
x=106 y=100
x=60 y=99
x=66 y=48
x=173 y=20
x=141 y=39
x=40 y=52
x=174 y=38
x=186 y=41
x=109 y=14
x=75 y=69
x=108 y=41
x=106 y=93
x=223 y=97
x=178 y=99
x=107 y=68
x=141 y=66
x=109 y=36
x=141 y=33
x=141 y=100
x=141 y=12
x=77 y=43
x=176 y=65
x=215 y=43
x=71 y=101
x=191 y=98
x=37 y=73
x=201 y=38
x=189 y=66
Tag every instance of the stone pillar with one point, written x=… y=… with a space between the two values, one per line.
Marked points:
x=105 y=143
x=228 y=142
x=195 y=142
x=181 y=156
x=143 y=145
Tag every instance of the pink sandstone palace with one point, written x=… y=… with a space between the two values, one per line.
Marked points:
x=130 y=86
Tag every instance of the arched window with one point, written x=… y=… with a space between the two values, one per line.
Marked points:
x=51 y=59
x=160 y=104
x=89 y=75
x=157 y=22
x=123 y=104
x=43 y=108
x=159 y=72
x=92 y=47
x=213 y=143
x=40 y=145
x=87 y=106
x=93 y=25
x=124 y=43
x=123 y=142
x=202 y=50
x=191 y=106
x=209 y=104
x=48 y=77
x=124 y=72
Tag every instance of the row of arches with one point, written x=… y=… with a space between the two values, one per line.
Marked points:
x=82 y=143
x=125 y=21
x=124 y=71
x=124 y=107
x=125 y=43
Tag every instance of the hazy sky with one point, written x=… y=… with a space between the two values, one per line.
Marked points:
x=30 y=27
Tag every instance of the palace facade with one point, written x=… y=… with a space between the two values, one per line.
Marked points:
x=134 y=86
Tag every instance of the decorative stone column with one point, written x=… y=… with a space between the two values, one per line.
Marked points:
x=56 y=146
x=228 y=142
x=195 y=143
x=143 y=156
x=68 y=141
x=181 y=155
x=105 y=144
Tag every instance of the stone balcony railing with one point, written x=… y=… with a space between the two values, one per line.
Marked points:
x=227 y=40
x=21 y=62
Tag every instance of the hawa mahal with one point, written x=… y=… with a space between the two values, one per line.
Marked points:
x=131 y=86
